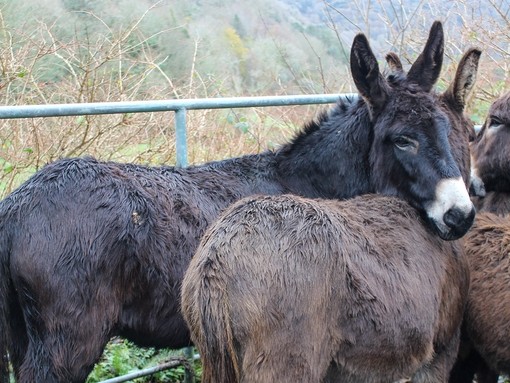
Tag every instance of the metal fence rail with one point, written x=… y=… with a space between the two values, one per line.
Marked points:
x=178 y=106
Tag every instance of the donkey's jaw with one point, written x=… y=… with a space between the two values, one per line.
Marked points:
x=451 y=213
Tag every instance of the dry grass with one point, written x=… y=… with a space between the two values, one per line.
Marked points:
x=105 y=70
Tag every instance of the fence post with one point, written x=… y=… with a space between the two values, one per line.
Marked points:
x=181 y=155
x=181 y=145
x=189 y=376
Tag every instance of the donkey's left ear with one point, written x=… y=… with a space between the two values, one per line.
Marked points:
x=460 y=89
x=367 y=77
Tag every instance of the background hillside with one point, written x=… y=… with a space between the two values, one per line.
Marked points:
x=68 y=51
x=233 y=47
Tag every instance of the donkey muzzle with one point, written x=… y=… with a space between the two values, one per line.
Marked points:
x=451 y=213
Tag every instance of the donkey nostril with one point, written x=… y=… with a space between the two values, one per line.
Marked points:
x=454 y=218
x=458 y=221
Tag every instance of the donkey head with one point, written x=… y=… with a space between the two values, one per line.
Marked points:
x=454 y=101
x=410 y=152
x=491 y=159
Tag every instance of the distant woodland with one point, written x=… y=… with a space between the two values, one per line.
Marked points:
x=226 y=47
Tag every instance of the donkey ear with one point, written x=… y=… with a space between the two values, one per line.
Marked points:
x=465 y=76
x=365 y=72
x=394 y=63
x=427 y=67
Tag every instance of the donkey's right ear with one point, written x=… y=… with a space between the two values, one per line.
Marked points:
x=465 y=76
x=367 y=77
x=426 y=69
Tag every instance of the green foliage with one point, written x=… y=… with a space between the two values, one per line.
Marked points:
x=326 y=36
x=479 y=111
x=218 y=39
x=122 y=357
x=7 y=167
x=242 y=121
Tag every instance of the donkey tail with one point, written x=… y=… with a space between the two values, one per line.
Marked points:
x=205 y=309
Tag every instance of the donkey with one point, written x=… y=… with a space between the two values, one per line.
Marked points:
x=490 y=160
x=288 y=289
x=483 y=352
x=91 y=250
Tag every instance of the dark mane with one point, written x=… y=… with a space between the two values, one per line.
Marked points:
x=336 y=114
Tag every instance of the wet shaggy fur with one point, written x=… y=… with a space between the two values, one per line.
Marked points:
x=287 y=289
x=496 y=202
x=90 y=249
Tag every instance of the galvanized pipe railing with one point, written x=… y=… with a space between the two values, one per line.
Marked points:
x=178 y=106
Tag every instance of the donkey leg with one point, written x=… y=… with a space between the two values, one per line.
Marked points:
x=438 y=370
x=68 y=354
x=51 y=362
x=19 y=346
x=485 y=374
x=37 y=365
x=467 y=364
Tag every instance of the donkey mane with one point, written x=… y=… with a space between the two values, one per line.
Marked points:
x=341 y=108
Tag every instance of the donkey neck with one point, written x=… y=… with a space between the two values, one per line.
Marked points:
x=330 y=157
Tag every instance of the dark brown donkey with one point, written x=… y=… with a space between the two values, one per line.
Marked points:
x=90 y=250
x=484 y=350
x=287 y=289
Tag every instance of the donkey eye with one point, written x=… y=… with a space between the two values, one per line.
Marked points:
x=495 y=121
x=406 y=144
